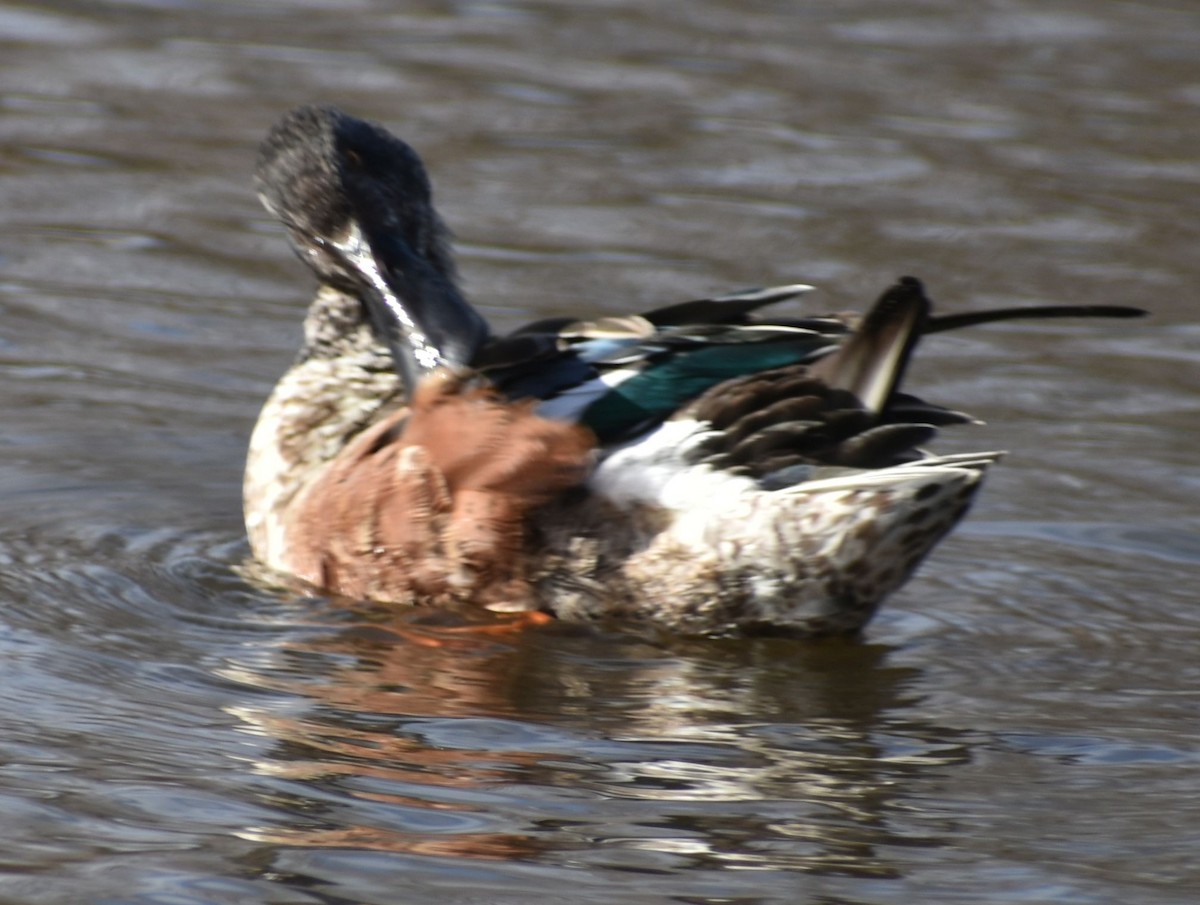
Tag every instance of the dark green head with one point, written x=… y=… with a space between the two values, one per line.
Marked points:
x=358 y=208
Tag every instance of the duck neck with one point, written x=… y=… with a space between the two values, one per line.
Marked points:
x=343 y=381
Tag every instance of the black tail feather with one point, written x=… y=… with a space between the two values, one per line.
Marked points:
x=942 y=322
x=872 y=362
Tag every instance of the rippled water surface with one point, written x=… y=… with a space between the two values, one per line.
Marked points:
x=1019 y=725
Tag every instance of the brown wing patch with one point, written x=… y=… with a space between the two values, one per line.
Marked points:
x=431 y=504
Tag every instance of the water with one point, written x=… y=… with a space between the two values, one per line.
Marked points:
x=1019 y=724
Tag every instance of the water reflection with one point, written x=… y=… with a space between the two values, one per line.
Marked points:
x=422 y=738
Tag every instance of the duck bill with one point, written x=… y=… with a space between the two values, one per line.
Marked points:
x=418 y=311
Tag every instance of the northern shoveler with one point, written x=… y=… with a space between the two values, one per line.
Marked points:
x=698 y=466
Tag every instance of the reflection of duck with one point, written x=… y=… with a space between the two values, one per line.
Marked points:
x=420 y=739
x=695 y=466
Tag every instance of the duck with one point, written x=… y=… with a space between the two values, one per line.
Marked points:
x=704 y=468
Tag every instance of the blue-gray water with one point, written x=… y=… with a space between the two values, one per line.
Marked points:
x=1021 y=723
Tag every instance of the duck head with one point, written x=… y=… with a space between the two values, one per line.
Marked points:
x=357 y=205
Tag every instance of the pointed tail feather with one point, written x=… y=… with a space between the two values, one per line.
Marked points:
x=970 y=318
x=872 y=362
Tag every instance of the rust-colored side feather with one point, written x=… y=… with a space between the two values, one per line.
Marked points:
x=431 y=503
